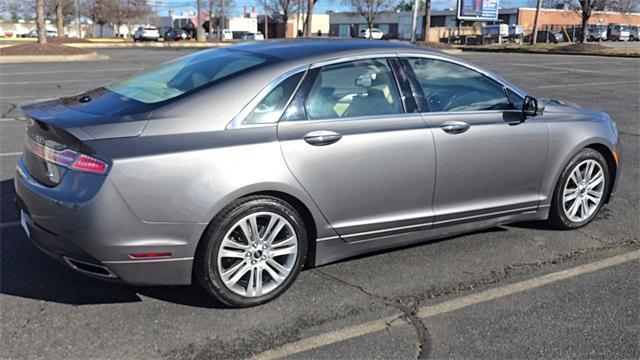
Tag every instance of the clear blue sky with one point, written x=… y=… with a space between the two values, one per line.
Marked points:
x=322 y=6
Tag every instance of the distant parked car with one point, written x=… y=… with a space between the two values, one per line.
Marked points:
x=34 y=33
x=618 y=32
x=176 y=35
x=634 y=33
x=375 y=34
x=549 y=36
x=597 y=32
x=253 y=36
x=146 y=33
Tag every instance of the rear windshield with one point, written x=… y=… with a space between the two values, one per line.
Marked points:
x=185 y=74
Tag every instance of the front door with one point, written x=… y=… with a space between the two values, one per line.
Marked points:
x=490 y=159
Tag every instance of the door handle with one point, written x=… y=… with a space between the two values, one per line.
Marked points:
x=455 y=127
x=322 y=137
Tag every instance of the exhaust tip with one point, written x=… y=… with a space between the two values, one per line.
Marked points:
x=89 y=268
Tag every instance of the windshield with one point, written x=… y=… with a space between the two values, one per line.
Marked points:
x=185 y=74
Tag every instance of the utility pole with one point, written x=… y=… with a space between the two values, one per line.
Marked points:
x=534 y=34
x=414 y=24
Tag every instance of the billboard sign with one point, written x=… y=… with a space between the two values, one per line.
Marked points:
x=478 y=10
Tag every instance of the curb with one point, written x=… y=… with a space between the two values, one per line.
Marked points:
x=522 y=51
x=451 y=51
x=183 y=45
x=51 y=58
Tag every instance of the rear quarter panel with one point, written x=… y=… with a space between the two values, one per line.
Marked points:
x=189 y=178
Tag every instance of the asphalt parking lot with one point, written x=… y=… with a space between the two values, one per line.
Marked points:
x=521 y=291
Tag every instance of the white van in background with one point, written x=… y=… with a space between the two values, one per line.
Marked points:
x=224 y=35
x=618 y=32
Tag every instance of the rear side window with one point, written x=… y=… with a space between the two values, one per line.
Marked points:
x=451 y=87
x=185 y=74
x=268 y=111
x=351 y=89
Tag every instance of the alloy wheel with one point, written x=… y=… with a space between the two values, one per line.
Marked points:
x=583 y=191
x=257 y=254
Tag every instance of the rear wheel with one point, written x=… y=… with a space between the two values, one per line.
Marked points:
x=581 y=190
x=252 y=252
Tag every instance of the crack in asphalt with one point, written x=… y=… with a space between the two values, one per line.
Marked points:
x=408 y=306
x=12 y=106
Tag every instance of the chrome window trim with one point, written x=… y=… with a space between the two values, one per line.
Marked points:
x=491 y=76
x=352 y=58
x=352 y=118
x=237 y=120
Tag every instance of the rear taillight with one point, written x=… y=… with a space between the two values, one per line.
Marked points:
x=68 y=158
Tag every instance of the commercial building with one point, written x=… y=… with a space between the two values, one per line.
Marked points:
x=398 y=24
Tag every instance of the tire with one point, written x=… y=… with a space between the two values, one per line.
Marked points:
x=254 y=258
x=563 y=215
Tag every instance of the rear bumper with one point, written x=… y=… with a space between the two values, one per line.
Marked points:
x=89 y=227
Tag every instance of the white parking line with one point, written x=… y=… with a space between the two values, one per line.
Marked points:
x=68 y=71
x=588 y=84
x=53 y=81
x=445 y=307
x=10 y=154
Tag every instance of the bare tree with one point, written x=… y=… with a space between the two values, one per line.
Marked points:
x=281 y=9
x=369 y=9
x=427 y=19
x=59 y=18
x=42 y=31
x=307 y=20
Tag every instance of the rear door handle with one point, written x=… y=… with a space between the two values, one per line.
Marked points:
x=455 y=127
x=322 y=137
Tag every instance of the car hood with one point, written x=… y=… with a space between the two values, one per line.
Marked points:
x=559 y=106
x=84 y=121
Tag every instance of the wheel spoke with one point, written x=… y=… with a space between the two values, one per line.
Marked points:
x=284 y=251
x=246 y=231
x=585 y=208
x=596 y=180
x=251 y=289
x=274 y=232
x=271 y=266
x=253 y=222
x=229 y=243
x=231 y=254
x=574 y=208
x=286 y=242
x=588 y=171
x=569 y=195
x=258 y=281
x=238 y=275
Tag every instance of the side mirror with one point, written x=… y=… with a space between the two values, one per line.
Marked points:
x=531 y=106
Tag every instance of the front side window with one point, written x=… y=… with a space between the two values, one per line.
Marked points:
x=270 y=108
x=185 y=74
x=451 y=87
x=355 y=88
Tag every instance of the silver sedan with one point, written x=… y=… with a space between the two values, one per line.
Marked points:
x=238 y=166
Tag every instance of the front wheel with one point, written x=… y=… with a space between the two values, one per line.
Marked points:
x=581 y=190
x=252 y=252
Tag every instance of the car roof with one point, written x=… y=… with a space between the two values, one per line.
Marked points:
x=309 y=50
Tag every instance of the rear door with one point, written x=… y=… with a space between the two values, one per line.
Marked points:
x=367 y=163
x=490 y=160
